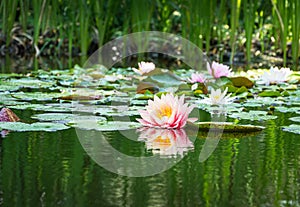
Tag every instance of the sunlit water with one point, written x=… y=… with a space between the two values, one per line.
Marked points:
x=53 y=169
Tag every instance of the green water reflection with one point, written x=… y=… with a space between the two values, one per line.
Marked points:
x=52 y=169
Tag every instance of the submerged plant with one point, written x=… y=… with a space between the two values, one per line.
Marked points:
x=144 y=67
x=217 y=97
x=169 y=111
x=218 y=70
x=275 y=75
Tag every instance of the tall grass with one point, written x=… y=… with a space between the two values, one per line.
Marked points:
x=280 y=8
x=201 y=21
x=295 y=4
x=234 y=20
x=9 y=9
x=249 y=11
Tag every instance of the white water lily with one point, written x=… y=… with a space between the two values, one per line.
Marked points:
x=275 y=75
x=217 y=97
x=144 y=67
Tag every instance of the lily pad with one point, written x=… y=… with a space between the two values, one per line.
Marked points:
x=228 y=127
x=242 y=81
x=253 y=116
x=292 y=128
x=295 y=119
x=104 y=126
x=284 y=109
x=54 y=117
x=269 y=94
x=38 y=126
x=36 y=96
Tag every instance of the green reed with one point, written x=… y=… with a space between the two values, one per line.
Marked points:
x=220 y=22
x=281 y=8
x=295 y=31
x=84 y=19
x=234 y=20
x=8 y=9
x=200 y=21
x=103 y=21
x=249 y=11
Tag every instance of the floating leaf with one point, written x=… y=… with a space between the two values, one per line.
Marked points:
x=292 y=128
x=228 y=127
x=167 y=78
x=38 y=126
x=253 y=115
x=295 y=119
x=269 y=94
x=144 y=86
x=36 y=96
x=242 y=81
x=283 y=109
x=7 y=115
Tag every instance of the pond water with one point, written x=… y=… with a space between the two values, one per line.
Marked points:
x=53 y=169
x=58 y=166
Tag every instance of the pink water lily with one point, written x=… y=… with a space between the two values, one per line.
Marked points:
x=144 y=67
x=197 y=78
x=169 y=111
x=218 y=70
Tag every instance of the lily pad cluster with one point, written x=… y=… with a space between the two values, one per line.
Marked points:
x=103 y=99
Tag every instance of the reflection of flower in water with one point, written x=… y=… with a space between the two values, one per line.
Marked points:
x=167 y=142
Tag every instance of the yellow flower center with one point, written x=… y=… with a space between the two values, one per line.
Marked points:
x=216 y=97
x=165 y=111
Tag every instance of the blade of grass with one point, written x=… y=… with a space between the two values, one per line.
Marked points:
x=234 y=20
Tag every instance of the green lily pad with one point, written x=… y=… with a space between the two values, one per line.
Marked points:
x=167 y=78
x=242 y=81
x=54 y=117
x=228 y=127
x=269 y=94
x=38 y=126
x=292 y=128
x=295 y=119
x=284 y=109
x=253 y=116
x=38 y=96
x=104 y=126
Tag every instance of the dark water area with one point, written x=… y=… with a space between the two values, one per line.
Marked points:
x=53 y=169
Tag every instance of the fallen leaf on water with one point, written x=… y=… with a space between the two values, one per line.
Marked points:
x=7 y=115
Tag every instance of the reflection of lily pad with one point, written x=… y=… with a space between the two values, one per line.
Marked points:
x=38 y=126
x=292 y=128
x=253 y=116
x=228 y=135
x=228 y=127
x=295 y=119
x=104 y=126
